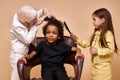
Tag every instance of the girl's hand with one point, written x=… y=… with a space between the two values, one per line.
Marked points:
x=93 y=51
x=74 y=37
x=24 y=59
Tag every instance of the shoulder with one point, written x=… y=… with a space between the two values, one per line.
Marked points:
x=63 y=44
x=109 y=33
x=16 y=23
x=41 y=43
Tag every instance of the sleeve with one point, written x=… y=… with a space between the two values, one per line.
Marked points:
x=67 y=49
x=84 y=43
x=38 y=48
x=23 y=35
x=40 y=13
x=110 y=42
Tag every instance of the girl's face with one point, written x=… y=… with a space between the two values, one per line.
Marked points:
x=52 y=34
x=97 y=22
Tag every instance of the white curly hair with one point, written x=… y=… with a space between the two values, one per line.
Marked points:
x=26 y=13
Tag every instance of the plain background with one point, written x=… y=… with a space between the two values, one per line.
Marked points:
x=77 y=14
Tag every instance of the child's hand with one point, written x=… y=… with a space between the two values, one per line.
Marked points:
x=78 y=55
x=74 y=37
x=24 y=59
x=93 y=51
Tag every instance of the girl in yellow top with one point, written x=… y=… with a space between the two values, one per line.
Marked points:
x=102 y=44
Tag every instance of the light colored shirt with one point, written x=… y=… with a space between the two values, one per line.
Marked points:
x=21 y=37
x=104 y=54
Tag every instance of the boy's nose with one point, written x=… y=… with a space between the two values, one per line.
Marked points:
x=51 y=34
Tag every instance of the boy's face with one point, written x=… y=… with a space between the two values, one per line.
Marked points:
x=52 y=34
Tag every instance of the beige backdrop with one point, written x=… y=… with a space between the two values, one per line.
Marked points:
x=77 y=14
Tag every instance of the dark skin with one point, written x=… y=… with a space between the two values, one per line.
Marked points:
x=51 y=36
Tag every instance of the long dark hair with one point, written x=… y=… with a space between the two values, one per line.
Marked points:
x=107 y=25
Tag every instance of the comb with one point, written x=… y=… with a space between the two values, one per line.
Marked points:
x=67 y=27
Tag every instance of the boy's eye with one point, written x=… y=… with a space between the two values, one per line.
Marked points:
x=47 y=32
x=54 y=32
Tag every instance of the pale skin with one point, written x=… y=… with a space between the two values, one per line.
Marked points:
x=52 y=36
x=38 y=20
x=97 y=22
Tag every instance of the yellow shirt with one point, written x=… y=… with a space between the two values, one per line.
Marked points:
x=104 y=54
